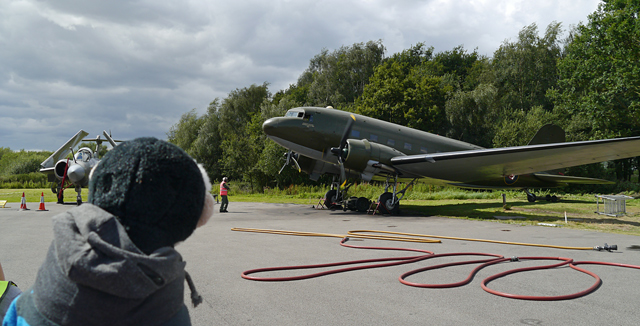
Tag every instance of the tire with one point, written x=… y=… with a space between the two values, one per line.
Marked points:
x=386 y=205
x=362 y=204
x=327 y=199
x=531 y=198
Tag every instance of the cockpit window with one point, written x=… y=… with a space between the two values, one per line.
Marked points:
x=84 y=155
x=308 y=117
x=294 y=114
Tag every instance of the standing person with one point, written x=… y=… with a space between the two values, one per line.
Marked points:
x=112 y=260
x=224 y=189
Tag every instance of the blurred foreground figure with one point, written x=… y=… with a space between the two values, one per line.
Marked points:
x=112 y=260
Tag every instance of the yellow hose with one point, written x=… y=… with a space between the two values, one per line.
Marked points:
x=356 y=232
x=398 y=236
x=316 y=234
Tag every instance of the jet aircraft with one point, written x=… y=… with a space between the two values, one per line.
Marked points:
x=345 y=145
x=64 y=172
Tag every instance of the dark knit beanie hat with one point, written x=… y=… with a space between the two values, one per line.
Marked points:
x=154 y=188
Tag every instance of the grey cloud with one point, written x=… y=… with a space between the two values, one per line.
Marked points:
x=135 y=66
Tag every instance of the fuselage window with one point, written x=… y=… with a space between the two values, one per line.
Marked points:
x=423 y=150
x=355 y=133
x=373 y=137
x=407 y=146
x=308 y=117
x=391 y=142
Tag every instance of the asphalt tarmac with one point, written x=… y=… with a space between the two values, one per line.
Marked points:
x=216 y=257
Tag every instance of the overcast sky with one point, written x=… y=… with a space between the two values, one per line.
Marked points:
x=134 y=67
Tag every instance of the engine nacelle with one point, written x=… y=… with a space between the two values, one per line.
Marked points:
x=361 y=154
x=60 y=169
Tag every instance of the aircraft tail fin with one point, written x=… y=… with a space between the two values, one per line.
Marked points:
x=548 y=134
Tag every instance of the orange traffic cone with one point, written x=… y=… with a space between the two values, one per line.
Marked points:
x=23 y=204
x=42 y=209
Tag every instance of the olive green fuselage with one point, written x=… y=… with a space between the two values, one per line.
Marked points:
x=313 y=131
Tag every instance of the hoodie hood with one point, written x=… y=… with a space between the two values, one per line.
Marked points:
x=93 y=270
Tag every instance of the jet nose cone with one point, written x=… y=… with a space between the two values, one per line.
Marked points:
x=76 y=173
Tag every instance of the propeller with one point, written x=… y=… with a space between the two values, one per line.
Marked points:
x=339 y=151
x=290 y=156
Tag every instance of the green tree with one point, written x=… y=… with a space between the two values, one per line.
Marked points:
x=473 y=115
x=237 y=110
x=598 y=91
x=339 y=77
x=185 y=132
x=406 y=90
x=241 y=135
x=524 y=70
x=522 y=126
x=599 y=87
x=206 y=148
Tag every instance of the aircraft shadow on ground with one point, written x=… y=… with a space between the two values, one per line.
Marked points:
x=489 y=211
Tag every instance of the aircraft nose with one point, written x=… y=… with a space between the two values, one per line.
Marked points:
x=75 y=173
x=270 y=126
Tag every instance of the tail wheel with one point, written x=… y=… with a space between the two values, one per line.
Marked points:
x=386 y=201
x=531 y=198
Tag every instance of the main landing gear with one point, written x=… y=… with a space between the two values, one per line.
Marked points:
x=532 y=197
x=388 y=202
x=335 y=199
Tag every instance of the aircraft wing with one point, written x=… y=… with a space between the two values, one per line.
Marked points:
x=559 y=179
x=63 y=150
x=474 y=165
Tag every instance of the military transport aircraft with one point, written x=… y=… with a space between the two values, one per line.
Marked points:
x=66 y=172
x=345 y=145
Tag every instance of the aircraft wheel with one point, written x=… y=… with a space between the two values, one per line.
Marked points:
x=547 y=197
x=554 y=199
x=328 y=199
x=362 y=204
x=531 y=198
x=386 y=202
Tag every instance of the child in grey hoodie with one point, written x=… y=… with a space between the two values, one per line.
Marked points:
x=112 y=260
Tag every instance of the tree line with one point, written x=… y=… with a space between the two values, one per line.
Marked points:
x=586 y=80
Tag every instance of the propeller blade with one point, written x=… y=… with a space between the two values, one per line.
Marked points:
x=290 y=157
x=347 y=131
x=339 y=151
x=296 y=163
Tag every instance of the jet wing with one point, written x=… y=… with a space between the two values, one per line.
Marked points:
x=475 y=165
x=63 y=150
